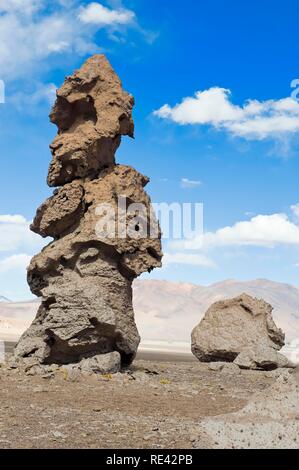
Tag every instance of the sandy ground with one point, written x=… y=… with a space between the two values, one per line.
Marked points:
x=155 y=404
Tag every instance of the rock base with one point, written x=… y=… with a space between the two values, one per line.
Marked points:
x=109 y=363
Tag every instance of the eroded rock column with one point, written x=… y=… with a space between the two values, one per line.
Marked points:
x=84 y=276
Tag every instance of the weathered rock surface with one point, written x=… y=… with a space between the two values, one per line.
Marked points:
x=104 y=229
x=225 y=367
x=109 y=363
x=261 y=357
x=59 y=212
x=92 y=112
x=269 y=421
x=240 y=325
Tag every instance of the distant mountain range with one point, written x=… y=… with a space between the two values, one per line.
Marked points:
x=15 y=317
x=4 y=299
x=168 y=311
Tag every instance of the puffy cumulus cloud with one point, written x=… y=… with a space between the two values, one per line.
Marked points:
x=33 y=31
x=190 y=184
x=97 y=14
x=12 y=219
x=257 y=120
x=26 y=40
x=17 y=245
x=191 y=259
x=16 y=237
x=207 y=107
x=15 y=263
x=260 y=231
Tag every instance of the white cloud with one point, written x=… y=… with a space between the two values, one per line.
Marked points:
x=34 y=39
x=14 y=262
x=254 y=120
x=97 y=14
x=26 y=6
x=190 y=184
x=192 y=259
x=43 y=93
x=263 y=231
x=260 y=231
x=31 y=32
x=15 y=235
x=12 y=219
x=17 y=245
x=209 y=106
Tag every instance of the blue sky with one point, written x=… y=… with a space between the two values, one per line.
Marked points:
x=234 y=143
